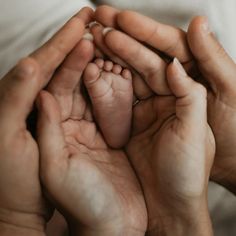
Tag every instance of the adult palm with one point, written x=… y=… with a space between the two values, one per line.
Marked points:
x=170 y=145
x=22 y=200
x=92 y=184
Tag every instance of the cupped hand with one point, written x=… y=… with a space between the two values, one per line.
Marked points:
x=172 y=144
x=172 y=150
x=23 y=208
x=203 y=57
x=93 y=185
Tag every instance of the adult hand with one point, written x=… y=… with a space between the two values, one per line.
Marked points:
x=158 y=37
x=219 y=70
x=93 y=185
x=172 y=150
x=23 y=208
x=157 y=122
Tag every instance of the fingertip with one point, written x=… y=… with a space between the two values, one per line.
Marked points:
x=199 y=25
x=96 y=31
x=113 y=40
x=181 y=84
x=106 y=15
x=106 y=30
x=88 y=36
x=176 y=71
x=124 y=16
x=86 y=14
x=177 y=78
x=86 y=49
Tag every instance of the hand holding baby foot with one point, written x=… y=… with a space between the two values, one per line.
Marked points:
x=217 y=68
x=93 y=185
x=172 y=150
x=23 y=208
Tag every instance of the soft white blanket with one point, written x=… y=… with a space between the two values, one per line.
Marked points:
x=24 y=25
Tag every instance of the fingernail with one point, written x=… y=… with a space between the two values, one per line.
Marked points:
x=178 y=65
x=88 y=36
x=106 y=30
x=205 y=26
x=93 y=24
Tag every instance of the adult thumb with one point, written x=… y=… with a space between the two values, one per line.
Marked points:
x=214 y=63
x=191 y=96
x=18 y=91
x=53 y=154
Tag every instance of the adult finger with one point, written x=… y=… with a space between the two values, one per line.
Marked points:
x=68 y=75
x=141 y=89
x=66 y=83
x=18 y=90
x=19 y=87
x=97 y=31
x=191 y=96
x=106 y=15
x=146 y=62
x=53 y=154
x=53 y=52
x=86 y=14
x=215 y=64
x=167 y=39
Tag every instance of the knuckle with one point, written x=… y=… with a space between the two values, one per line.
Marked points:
x=174 y=44
x=26 y=67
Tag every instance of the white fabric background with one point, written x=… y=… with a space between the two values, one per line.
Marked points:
x=26 y=24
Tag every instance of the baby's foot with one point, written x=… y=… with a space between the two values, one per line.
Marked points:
x=110 y=90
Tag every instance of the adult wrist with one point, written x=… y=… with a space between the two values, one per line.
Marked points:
x=7 y=229
x=115 y=230
x=194 y=222
x=21 y=224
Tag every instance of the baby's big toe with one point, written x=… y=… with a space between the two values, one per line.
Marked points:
x=91 y=74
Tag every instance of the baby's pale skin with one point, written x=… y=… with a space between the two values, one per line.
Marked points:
x=110 y=90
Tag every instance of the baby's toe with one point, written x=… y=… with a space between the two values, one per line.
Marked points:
x=126 y=74
x=99 y=62
x=91 y=74
x=116 y=69
x=108 y=66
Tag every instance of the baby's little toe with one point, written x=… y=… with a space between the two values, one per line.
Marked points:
x=126 y=74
